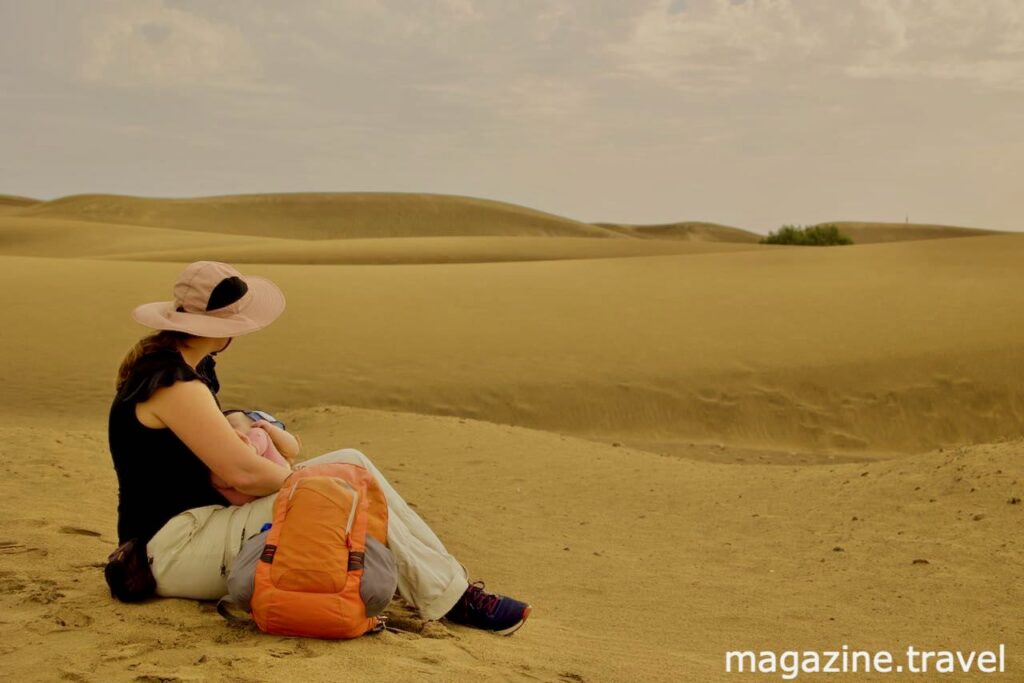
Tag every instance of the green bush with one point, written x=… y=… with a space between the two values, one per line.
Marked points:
x=808 y=236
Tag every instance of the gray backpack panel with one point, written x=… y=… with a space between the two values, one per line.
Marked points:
x=242 y=576
x=380 y=577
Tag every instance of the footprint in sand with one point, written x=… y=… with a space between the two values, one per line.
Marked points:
x=44 y=591
x=11 y=583
x=70 y=618
x=79 y=531
x=17 y=548
x=127 y=651
x=60 y=619
x=289 y=650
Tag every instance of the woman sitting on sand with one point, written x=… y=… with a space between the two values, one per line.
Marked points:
x=167 y=434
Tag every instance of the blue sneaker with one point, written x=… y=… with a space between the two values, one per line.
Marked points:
x=487 y=611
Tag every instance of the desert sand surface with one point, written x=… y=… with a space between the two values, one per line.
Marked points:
x=669 y=453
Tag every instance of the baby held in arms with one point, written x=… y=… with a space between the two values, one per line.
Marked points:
x=267 y=438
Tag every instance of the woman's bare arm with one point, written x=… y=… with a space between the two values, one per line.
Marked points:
x=190 y=411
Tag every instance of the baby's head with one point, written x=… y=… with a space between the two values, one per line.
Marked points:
x=239 y=420
x=243 y=420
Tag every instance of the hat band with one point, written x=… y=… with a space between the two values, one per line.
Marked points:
x=228 y=291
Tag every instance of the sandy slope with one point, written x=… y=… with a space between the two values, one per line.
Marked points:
x=875 y=348
x=640 y=567
x=769 y=405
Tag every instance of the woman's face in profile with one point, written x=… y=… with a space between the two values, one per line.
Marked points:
x=227 y=343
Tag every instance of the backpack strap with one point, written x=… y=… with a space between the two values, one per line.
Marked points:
x=232 y=611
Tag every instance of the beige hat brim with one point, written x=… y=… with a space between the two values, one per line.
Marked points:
x=264 y=307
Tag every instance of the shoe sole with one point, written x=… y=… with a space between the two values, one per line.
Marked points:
x=515 y=627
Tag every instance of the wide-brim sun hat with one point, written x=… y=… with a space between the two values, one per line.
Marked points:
x=213 y=299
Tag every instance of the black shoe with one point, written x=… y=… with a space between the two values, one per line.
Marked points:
x=498 y=613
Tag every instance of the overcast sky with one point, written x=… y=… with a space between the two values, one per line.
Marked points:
x=751 y=113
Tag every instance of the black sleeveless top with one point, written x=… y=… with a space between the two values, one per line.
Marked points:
x=158 y=476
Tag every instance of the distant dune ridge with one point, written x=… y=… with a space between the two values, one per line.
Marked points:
x=778 y=447
x=11 y=201
x=867 y=233
x=354 y=215
x=321 y=216
x=689 y=230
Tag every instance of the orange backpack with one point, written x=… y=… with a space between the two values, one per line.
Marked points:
x=323 y=568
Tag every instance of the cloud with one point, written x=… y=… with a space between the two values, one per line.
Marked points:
x=722 y=46
x=496 y=61
x=970 y=40
x=148 y=44
x=713 y=45
x=518 y=98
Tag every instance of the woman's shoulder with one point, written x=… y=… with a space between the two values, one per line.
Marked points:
x=155 y=370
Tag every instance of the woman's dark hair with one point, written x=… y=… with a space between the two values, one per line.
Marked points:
x=160 y=340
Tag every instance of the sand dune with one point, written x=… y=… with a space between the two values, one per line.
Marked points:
x=16 y=200
x=673 y=448
x=869 y=233
x=732 y=347
x=689 y=230
x=426 y=250
x=22 y=236
x=320 y=216
x=369 y=215
x=10 y=203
